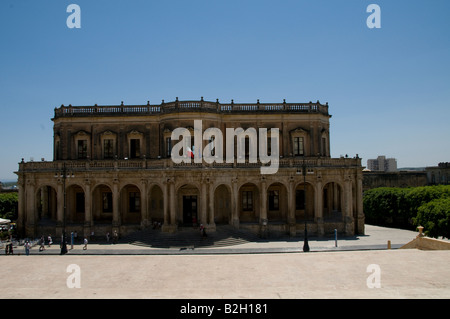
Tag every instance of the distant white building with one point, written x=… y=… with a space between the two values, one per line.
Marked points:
x=382 y=164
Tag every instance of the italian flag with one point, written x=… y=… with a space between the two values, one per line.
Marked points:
x=190 y=152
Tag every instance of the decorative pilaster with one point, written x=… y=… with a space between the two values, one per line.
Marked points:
x=88 y=220
x=263 y=221
x=319 y=206
x=211 y=221
x=30 y=219
x=144 y=204
x=234 y=203
x=291 y=208
x=359 y=205
x=348 y=213
x=169 y=225
x=203 y=206
x=116 y=212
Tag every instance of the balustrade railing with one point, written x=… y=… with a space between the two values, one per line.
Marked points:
x=310 y=107
x=138 y=164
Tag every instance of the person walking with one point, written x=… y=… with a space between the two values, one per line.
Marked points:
x=115 y=236
x=85 y=243
x=27 y=248
x=42 y=244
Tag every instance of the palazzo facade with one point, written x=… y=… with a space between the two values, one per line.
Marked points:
x=112 y=171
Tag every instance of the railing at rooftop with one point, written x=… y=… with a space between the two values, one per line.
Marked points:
x=189 y=106
x=148 y=164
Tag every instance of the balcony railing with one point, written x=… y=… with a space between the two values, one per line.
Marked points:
x=167 y=163
x=190 y=106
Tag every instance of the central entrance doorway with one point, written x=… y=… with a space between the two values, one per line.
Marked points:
x=190 y=210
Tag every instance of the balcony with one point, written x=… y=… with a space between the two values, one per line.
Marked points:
x=159 y=164
x=190 y=106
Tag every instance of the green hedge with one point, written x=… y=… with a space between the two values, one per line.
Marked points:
x=434 y=216
x=9 y=205
x=399 y=207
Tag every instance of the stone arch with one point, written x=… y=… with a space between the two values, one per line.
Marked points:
x=46 y=204
x=102 y=203
x=156 y=204
x=249 y=203
x=304 y=201
x=188 y=202
x=222 y=204
x=75 y=203
x=130 y=204
x=277 y=202
x=332 y=204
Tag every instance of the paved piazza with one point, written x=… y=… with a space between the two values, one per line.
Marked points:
x=342 y=274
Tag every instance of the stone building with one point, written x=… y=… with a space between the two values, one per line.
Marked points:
x=382 y=164
x=438 y=175
x=113 y=171
x=394 y=179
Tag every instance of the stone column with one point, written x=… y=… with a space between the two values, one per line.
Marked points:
x=359 y=204
x=144 y=204
x=348 y=214
x=171 y=226
x=234 y=203
x=211 y=222
x=59 y=208
x=319 y=206
x=291 y=208
x=88 y=220
x=203 y=207
x=30 y=209
x=166 y=203
x=263 y=221
x=116 y=211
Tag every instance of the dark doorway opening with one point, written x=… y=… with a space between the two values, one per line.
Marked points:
x=190 y=210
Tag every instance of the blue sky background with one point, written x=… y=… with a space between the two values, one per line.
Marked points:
x=388 y=89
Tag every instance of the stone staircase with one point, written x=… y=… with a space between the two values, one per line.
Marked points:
x=189 y=238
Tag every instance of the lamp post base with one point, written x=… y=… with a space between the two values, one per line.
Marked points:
x=63 y=245
x=305 y=242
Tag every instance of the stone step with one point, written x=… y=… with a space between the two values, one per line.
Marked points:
x=188 y=237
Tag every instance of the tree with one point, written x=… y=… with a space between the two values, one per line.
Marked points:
x=434 y=216
x=390 y=206
x=9 y=205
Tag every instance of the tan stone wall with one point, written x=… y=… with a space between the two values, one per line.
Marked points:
x=97 y=190
x=426 y=243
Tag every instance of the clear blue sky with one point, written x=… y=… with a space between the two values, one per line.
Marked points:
x=388 y=89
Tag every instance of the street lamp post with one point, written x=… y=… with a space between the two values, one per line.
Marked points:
x=305 y=242
x=63 y=174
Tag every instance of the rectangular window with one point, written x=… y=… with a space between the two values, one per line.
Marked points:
x=107 y=202
x=135 y=202
x=82 y=149
x=168 y=146
x=274 y=200
x=247 y=146
x=247 y=200
x=299 y=199
x=298 y=146
x=135 y=148
x=212 y=150
x=108 y=148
